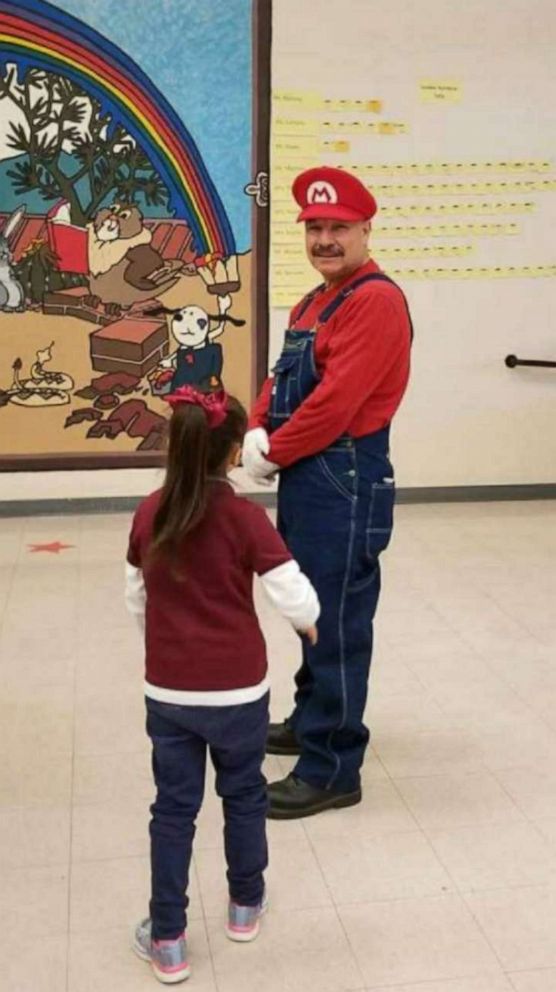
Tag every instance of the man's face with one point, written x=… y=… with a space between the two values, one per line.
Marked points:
x=336 y=247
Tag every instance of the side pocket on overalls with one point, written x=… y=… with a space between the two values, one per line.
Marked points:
x=381 y=519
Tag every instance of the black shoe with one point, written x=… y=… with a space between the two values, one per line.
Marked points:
x=291 y=798
x=281 y=739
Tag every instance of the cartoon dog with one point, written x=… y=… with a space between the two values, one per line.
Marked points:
x=197 y=360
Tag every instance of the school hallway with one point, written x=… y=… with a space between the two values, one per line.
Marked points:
x=442 y=880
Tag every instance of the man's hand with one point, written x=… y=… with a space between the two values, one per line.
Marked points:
x=255 y=446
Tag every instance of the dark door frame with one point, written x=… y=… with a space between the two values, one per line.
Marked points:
x=262 y=48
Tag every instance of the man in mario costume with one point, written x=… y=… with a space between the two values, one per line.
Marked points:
x=322 y=421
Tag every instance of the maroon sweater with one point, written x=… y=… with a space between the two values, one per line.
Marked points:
x=201 y=629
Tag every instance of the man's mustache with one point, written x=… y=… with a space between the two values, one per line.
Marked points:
x=327 y=252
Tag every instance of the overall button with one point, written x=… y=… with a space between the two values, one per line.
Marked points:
x=351 y=472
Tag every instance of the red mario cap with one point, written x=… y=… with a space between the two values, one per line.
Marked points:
x=332 y=194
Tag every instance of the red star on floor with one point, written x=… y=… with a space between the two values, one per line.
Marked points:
x=54 y=547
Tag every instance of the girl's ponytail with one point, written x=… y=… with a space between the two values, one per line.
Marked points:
x=184 y=494
x=203 y=429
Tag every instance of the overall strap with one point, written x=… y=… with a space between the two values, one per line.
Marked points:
x=329 y=310
x=307 y=300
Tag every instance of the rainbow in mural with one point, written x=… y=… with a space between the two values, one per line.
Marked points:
x=37 y=34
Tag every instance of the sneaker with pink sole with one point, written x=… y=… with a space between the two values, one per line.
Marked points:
x=168 y=958
x=244 y=921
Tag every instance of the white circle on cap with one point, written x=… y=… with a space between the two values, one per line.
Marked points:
x=321 y=192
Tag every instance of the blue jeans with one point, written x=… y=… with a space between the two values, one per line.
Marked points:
x=236 y=738
x=335 y=512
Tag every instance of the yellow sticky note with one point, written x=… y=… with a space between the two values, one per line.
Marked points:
x=440 y=91
x=352 y=126
x=283 y=171
x=445 y=230
x=445 y=209
x=530 y=165
x=296 y=100
x=338 y=104
x=389 y=127
x=291 y=273
x=447 y=168
x=284 y=298
x=298 y=147
x=282 y=212
x=467 y=189
x=364 y=127
x=443 y=251
x=288 y=252
x=341 y=147
x=293 y=270
x=482 y=272
x=283 y=234
x=282 y=124
x=281 y=192
x=347 y=104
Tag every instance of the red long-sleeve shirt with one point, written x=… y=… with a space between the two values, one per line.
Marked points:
x=362 y=356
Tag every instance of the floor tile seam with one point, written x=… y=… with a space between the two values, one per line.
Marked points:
x=521 y=623
x=525 y=971
x=537 y=716
x=440 y=860
x=3 y=612
x=78 y=602
x=339 y=920
x=465 y=898
x=526 y=816
x=457 y=887
x=461 y=636
x=480 y=769
x=470 y=890
x=483 y=655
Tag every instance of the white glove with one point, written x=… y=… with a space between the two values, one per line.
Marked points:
x=255 y=446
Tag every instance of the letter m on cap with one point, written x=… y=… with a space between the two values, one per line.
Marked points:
x=321 y=192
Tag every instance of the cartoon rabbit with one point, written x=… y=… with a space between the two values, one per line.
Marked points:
x=12 y=297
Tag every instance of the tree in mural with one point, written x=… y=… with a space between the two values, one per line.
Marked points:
x=68 y=149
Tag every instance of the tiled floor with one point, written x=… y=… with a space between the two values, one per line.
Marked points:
x=442 y=880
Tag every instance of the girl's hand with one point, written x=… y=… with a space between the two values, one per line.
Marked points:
x=311 y=634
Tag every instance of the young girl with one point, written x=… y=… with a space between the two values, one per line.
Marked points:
x=193 y=550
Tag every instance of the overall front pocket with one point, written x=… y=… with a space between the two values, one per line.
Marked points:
x=338 y=467
x=381 y=518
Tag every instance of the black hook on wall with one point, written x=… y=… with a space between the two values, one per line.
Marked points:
x=511 y=361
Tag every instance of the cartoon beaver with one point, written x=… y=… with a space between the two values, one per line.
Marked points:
x=123 y=267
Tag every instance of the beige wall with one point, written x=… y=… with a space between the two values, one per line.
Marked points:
x=467 y=419
x=93 y=485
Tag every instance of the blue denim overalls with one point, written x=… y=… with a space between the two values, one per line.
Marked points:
x=335 y=512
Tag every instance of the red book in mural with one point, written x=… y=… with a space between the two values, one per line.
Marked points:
x=66 y=240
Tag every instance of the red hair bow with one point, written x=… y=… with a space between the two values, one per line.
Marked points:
x=214 y=404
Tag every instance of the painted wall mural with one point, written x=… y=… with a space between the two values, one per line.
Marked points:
x=125 y=246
